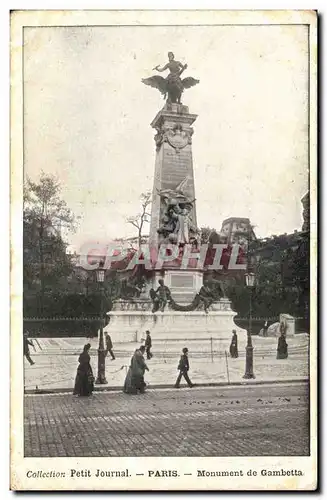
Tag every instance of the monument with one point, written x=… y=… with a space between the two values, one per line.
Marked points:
x=177 y=301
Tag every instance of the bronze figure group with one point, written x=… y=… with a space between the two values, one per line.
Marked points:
x=172 y=86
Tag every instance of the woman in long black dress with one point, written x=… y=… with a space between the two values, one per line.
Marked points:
x=84 y=382
x=134 y=381
x=233 y=350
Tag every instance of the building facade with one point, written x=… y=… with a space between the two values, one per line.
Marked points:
x=237 y=230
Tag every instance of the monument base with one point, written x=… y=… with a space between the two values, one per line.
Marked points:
x=129 y=321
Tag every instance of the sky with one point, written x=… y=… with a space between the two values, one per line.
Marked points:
x=87 y=120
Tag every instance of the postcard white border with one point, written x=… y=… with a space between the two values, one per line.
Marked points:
x=19 y=464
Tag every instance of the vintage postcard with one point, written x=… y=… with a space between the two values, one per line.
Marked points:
x=164 y=250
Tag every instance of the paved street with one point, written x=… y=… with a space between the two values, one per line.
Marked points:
x=56 y=362
x=226 y=421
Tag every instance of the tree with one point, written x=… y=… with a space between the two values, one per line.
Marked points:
x=45 y=257
x=80 y=281
x=206 y=233
x=282 y=274
x=143 y=217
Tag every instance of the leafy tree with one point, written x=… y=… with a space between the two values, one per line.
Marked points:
x=282 y=276
x=45 y=213
x=209 y=235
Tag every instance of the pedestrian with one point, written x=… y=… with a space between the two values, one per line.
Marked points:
x=148 y=345
x=282 y=346
x=84 y=381
x=26 y=349
x=183 y=367
x=134 y=381
x=109 y=346
x=233 y=350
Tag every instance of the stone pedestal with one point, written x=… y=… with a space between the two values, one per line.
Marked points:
x=183 y=284
x=129 y=321
x=289 y=321
x=174 y=162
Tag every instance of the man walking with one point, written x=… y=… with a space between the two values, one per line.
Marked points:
x=183 y=368
x=109 y=346
x=26 y=348
x=148 y=345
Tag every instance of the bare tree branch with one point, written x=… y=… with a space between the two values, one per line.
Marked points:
x=139 y=220
x=135 y=224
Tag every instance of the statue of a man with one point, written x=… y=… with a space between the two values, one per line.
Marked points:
x=206 y=296
x=160 y=297
x=129 y=290
x=182 y=226
x=176 y=68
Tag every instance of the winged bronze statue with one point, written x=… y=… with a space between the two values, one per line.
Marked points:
x=173 y=86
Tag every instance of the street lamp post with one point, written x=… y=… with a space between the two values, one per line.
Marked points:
x=101 y=378
x=250 y=279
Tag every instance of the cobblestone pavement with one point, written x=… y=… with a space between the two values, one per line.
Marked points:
x=56 y=363
x=228 y=421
